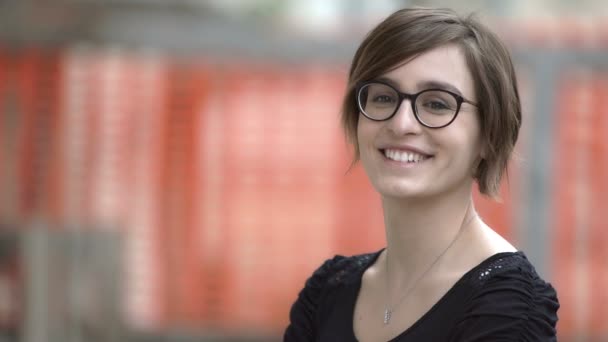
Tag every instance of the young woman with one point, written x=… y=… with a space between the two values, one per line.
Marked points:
x=431 y=107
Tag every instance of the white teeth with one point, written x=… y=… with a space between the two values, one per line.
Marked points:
x=403 y=156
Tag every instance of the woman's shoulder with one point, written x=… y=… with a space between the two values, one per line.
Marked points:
x=509 y=297
x=511 y=270
x=506 y=267
x=341 y=269
x=332 y=273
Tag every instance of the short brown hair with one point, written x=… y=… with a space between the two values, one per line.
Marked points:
x=411 y=32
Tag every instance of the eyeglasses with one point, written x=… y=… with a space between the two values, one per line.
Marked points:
x=433 y=108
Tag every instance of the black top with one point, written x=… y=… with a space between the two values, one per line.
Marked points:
x=502 y=299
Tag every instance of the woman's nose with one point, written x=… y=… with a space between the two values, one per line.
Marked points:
x=404 y=121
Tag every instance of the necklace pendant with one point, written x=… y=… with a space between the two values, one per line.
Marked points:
x=387 y=316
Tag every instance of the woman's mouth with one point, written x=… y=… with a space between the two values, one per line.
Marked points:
x=404 y=156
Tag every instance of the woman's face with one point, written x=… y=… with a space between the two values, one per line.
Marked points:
x=443 y=158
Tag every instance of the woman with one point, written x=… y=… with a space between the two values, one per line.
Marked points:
x=431 y=107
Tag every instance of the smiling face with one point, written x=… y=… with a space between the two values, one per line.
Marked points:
x=403 y=158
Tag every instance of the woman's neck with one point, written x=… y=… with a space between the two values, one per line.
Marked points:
x=419 y=230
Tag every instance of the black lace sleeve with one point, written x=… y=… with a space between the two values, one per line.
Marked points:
x=512 y=303
x=303 y=315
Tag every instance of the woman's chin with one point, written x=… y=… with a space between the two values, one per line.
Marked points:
x=402 y=190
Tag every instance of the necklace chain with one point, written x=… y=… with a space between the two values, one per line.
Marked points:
x=388 y=310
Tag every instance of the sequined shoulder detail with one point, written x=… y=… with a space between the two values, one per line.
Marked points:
x=504 y=263
x=347 y=270
x=488 y=269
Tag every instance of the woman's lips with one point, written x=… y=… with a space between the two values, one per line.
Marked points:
x=404 y=156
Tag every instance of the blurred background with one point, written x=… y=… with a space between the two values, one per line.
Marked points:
x=175 y=170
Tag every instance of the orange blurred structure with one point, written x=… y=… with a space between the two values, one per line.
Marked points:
x=228 y=183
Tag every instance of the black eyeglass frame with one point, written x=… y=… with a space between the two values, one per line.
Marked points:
x=412 y=97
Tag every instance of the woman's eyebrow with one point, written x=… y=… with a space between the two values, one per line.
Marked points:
x=434 y=84
x=389 y=81
x=422 y=85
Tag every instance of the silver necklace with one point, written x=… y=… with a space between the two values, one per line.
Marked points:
x=388 y=310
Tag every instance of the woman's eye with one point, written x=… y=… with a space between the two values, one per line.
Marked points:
x=384 y=99
x=438 y=105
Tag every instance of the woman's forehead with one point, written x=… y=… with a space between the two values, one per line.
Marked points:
x=445 y=66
